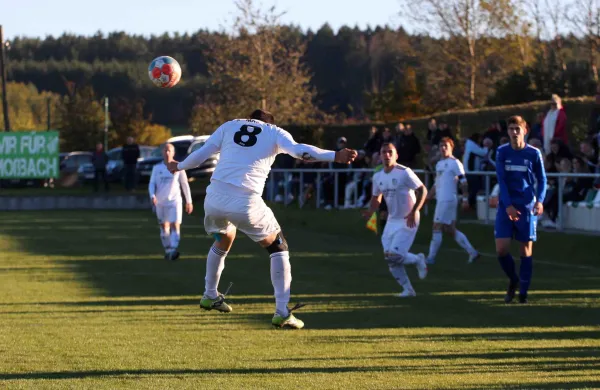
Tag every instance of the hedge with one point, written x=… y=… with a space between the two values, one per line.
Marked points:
x=462 y=122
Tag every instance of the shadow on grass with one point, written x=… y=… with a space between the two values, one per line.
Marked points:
x=337 y=288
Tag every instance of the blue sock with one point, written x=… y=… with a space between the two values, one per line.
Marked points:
x=526 y=271
x=508 y=266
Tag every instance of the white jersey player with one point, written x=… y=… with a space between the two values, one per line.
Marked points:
x=165 y=193
x=404 y=196
x=449 y=171
x=248 y=148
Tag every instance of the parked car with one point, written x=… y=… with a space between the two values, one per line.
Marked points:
x=114 y=167
x=184 y=145
x=70 y=162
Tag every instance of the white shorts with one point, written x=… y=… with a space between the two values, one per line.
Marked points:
x=445 y=212
x=249 y=214
x=397 y=237
x=169 y=213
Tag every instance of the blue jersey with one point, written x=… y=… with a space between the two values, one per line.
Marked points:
x=518 y=171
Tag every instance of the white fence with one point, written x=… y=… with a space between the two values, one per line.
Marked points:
x=290 y=185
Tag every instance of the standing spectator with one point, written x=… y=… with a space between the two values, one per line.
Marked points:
x=536 y=129
x=432 y=129
x=100 y=159
x=594 y=121
x=557 y=152
x=408 y=146
x=442 y=132
x=387 y=136
x=493 y=133
x=130 y=154
x=342 y=176
x=471 y=162
x=589 y=155
x=554 y=124
x=373 y=144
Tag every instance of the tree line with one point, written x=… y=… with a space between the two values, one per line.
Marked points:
x=463 y=53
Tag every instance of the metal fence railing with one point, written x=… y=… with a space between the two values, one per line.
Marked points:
x=290 y=185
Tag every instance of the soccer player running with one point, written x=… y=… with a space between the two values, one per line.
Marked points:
x=448 y=170
x=404 y=194
x=518 y=166
x=234 y=201
x=165 y=194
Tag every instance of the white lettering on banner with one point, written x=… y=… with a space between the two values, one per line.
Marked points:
x=34 y=144
x=516 y=168
x=28 y=167
x=25 y=143
x=8 y=145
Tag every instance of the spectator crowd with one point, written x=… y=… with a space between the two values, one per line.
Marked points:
x=549 y=134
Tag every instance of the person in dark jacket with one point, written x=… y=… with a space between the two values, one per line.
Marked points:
x=408 y=146
x=99 y=160
x=130 y=154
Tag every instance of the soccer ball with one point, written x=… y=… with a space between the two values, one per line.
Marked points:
x=164 y=71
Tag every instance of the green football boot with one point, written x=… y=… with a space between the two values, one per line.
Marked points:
x=289 y=322
x=218 y=304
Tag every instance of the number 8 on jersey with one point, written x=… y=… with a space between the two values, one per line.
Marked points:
x=246 y=136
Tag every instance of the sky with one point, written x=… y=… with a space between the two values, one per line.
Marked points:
x=39 y=18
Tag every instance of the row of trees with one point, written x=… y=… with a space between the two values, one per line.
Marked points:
x=464 y=53
x=79 y=115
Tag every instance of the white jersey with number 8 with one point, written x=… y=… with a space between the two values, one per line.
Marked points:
x=248 y=148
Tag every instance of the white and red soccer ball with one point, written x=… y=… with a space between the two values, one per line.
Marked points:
x=164 y=71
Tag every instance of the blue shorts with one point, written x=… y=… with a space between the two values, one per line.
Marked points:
x=523 y=230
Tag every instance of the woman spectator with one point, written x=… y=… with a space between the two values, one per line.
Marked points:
x=554 y=124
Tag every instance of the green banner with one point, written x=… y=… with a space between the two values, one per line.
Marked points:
x=29 y=155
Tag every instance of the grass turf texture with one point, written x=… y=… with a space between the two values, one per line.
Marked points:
x=87 y=301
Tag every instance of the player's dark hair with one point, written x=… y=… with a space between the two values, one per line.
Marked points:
x=447 y=140
x=263 y=116
x=388 y=144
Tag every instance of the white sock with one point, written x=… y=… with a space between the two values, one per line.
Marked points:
x=434 y=246
x=281 y=277
x=463 y=241
x=175 y=239
x=164 y=238
x=215 y=263
x=399 y=273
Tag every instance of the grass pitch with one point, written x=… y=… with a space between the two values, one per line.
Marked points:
x=86 y=301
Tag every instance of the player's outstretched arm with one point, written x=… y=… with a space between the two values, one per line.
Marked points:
x=305 y=152
x=196 y=158
x=187 y=193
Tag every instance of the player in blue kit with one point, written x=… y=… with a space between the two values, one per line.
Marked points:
x=520 y=170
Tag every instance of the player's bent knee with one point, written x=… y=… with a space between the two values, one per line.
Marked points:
x=394 y=259
x=278 y=245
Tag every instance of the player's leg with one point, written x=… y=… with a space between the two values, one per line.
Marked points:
x=215 y=263
x=436 y=242
x=281 y=279
x=395 y=261
x=164 y=228
x=503 y=232
x=396 y=250
x=217 y=225
x=175 y=219
x=526 y=234
x=526 y=270
x=462 y=240
x=258 y=222
x=436 y=236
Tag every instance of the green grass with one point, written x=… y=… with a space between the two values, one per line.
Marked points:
x=86 y=301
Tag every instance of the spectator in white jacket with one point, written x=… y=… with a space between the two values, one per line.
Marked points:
x=472 y=158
